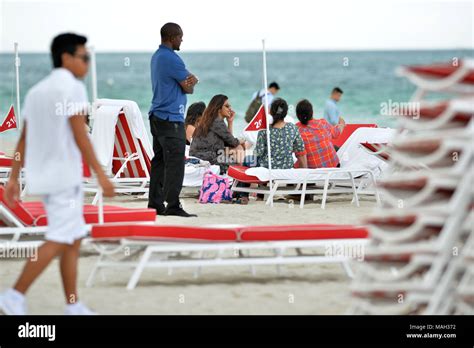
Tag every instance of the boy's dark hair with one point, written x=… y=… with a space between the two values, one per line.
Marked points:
x=304 y=111
x=337 y=89
x=274 y=85
x=195 y=111
x=278 y=110
x=65 y=43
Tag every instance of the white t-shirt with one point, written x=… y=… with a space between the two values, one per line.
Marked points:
x=261 y=94
x=52 y=159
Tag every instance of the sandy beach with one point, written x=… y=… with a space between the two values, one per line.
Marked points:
x=300 y=289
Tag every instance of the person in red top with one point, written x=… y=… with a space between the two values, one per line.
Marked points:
x=317 y=136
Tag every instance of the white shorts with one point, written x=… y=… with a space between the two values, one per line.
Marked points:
x=65 y=212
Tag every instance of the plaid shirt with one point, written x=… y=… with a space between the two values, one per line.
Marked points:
x=317 y=136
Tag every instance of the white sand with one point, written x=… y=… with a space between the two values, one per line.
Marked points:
x=300 y=289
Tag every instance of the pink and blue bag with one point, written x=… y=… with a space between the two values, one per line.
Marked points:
x=214 y=189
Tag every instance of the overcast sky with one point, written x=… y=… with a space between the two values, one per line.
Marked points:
x=233 y=25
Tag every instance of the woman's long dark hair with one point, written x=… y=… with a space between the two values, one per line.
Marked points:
x=209 y=115
x=304 y=111
x=195 y=111
x=279 y=110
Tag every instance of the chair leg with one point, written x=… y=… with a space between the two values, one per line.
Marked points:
x=303 y=195
x=354 y=190
x=96 y=198
x=325 y=192
x=272 y=194
x=139 y=270
x=90 y=279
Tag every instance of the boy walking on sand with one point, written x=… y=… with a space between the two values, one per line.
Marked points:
x=51 y=147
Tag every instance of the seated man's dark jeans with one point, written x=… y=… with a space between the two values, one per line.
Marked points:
x=167 y=167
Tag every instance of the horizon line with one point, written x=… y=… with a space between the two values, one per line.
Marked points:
x=268 y=51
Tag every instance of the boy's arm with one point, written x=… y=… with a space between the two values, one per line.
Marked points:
x=85 y=146
x=12 y=190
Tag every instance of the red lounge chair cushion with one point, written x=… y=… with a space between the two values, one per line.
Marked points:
x=302 y=232
x=441 y=71
x=412 y=185
x=347 y=132
x=421 y=146
x=165 y=233
x=19 y=210
x=5 y=162
x=238 y=173
x=86 y=171
x=91 y=214
x=251 y=234
x=34 y=214
x=396 y=221
x=433 y=112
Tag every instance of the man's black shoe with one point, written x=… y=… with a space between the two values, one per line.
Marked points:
x=178 y=212
x=159 y=211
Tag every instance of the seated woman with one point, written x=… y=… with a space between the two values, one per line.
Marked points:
x=284 y=141
x=212 y=135
x=317 y=136
x=194 y=113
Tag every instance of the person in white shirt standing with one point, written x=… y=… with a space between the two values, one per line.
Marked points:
x=331 y=111
x=51 y=147
x=258 y=99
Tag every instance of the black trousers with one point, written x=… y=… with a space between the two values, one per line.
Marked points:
x=167 y=167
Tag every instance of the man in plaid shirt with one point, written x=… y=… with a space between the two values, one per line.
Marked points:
x=317 y=136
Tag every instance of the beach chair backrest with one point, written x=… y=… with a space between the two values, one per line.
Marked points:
x=443 y=71
x=19 y=210
x=125 y=145
x=145 y=156
x=348 y=130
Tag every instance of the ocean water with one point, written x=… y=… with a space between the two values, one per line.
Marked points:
x=367 y=78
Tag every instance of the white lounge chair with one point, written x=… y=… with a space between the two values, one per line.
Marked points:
x=219 y=246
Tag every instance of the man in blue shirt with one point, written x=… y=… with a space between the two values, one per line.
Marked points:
x=331 y=111
x=170 y=83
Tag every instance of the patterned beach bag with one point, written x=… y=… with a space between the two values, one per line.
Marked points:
x=214 y=189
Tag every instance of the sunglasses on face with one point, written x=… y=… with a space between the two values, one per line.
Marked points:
x=84 y=57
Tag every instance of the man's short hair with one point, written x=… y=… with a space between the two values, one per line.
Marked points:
x=169 y=30
x=65 y=43
x=274 y=85
x=337 y=89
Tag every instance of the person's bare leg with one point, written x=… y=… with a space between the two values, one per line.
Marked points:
x=34 y=268
x=68 y=267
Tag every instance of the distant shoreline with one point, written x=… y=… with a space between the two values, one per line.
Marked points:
x=270 y=51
